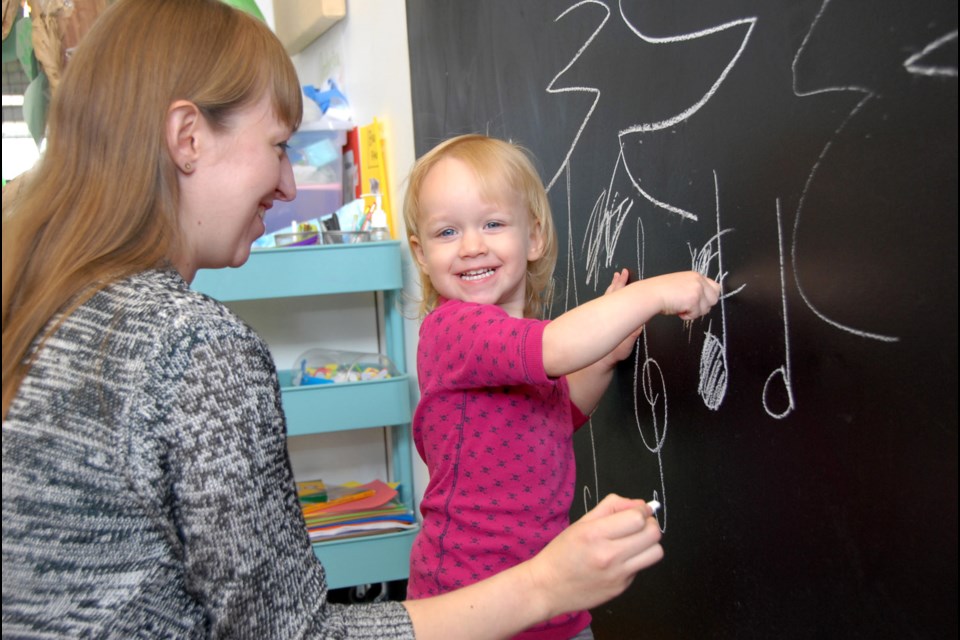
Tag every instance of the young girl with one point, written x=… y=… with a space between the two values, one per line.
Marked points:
x=501 y=391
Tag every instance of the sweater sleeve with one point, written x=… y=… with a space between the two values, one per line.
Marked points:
x=231 y=502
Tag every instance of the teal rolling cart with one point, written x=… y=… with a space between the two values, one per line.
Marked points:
x=348 y=268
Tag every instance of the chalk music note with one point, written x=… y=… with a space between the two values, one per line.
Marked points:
x=713 y=380
x=784 y=372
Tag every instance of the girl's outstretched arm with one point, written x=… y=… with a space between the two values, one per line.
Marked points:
x=588 y=384
x=582 y=336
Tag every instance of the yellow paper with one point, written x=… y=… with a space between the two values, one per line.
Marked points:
x=373 y=167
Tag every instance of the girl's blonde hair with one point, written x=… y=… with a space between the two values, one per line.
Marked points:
x=102 y=202
x=501 y=168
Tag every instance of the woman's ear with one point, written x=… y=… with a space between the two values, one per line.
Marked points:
x=183 y=126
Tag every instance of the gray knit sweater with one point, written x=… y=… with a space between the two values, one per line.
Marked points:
x=147 y=490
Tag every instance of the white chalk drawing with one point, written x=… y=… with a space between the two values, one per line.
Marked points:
x=713 y=380
x=784 y=372
x=649 y=377
x=676 y=119
x=612 y=210
x=571 y=280
x=917 y=65
x=607 y=218
x=570 y=290
x=646 y=127
x=591 y=90
x=571 y=287
x=604 y=227
x=866 y=95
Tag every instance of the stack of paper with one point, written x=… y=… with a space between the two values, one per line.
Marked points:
x=346 y=511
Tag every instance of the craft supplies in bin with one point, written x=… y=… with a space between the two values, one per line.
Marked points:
x=312 y=202
x=329 y=366
x=339 y=236
x=297 y=238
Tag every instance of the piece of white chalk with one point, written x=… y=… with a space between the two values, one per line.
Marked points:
x=654 y=505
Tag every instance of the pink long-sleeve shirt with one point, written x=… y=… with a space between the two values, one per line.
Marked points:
x=496 y=434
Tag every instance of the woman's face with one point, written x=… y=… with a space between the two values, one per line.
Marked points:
x=238 y=174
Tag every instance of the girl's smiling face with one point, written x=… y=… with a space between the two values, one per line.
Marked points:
x=472 y=249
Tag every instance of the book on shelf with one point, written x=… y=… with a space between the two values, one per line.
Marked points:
x=352 y=509
x=365 y=169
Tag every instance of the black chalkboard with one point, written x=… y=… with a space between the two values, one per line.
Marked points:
x=803 y=438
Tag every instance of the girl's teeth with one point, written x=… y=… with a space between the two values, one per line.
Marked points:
x=476 y=275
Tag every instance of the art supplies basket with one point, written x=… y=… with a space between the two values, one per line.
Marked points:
x=328 y=366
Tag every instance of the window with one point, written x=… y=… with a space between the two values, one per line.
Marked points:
x=20 y=152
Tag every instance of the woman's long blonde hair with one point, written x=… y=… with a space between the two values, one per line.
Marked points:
x=102 y=202
x=501 y=167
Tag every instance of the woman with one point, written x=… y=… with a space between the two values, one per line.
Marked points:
x=146 y=485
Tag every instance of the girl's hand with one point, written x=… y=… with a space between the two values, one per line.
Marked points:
x=686 y=294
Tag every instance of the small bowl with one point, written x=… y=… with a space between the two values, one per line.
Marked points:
x=345 y=237
x=296 y=239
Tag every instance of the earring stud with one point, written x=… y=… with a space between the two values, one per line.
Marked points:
x=188 y=167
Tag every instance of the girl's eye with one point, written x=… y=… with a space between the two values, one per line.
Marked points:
x=445 y=233
x=284 y=146
x=493 y=224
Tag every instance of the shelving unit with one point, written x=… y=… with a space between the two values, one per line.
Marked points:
x=325 y=270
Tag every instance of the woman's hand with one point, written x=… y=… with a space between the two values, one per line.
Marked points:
x=596 y=558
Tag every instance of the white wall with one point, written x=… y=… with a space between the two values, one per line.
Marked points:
x=367 y=53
